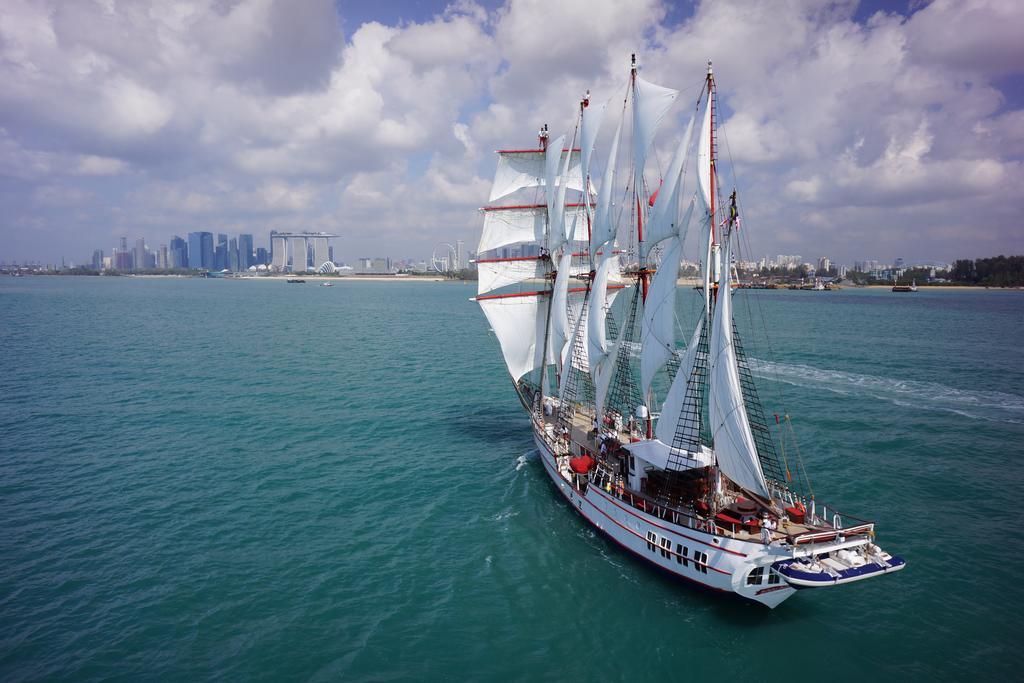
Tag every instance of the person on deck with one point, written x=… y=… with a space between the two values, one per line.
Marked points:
x=766 y=530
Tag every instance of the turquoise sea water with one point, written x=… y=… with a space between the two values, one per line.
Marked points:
x=254 y=480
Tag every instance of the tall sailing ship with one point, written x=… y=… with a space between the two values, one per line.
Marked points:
x=579 y=286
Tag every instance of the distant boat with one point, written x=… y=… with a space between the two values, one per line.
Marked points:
x=326 y=284
x=296 y=280
x=912 y=287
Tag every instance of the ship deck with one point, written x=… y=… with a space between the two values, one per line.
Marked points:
x=609 y=475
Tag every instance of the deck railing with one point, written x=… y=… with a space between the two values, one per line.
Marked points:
x=604 y=478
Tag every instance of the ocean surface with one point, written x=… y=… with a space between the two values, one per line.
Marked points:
x=211 y=479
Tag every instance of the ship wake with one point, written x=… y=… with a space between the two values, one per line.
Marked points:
x=991 y=406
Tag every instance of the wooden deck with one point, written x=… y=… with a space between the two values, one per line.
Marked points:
x=583 y=437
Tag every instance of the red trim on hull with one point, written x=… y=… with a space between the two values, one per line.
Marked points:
x=672 y=531
x=616 y=522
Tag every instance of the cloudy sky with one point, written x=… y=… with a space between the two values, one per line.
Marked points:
x=858 y=130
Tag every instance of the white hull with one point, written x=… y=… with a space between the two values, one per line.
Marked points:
x=718 y=563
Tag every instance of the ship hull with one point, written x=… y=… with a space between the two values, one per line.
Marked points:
x=712 y=562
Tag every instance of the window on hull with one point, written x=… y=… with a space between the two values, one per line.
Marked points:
x=700 y=561
x=755 y=576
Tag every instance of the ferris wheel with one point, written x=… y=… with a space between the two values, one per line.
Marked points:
x=445 y=258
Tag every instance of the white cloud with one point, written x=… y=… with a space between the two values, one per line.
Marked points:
x=91 y=164
x=263 y=111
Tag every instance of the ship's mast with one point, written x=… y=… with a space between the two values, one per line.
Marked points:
x=643 y=272
x=715 y=264
x=542 y=143
x=584 y=103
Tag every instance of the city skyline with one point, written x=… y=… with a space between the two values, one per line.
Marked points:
x=858 y=130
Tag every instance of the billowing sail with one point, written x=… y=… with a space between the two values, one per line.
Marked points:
x=505 y=226
x=554 y=190
x=497 y=273
x=604 y=223
x=525 y=224
x=662 y=223
x=590 y=124
x=704 y=156
x=581 y=331
x=672 y=408
x=650 y=104
x=525 y=168
x=597 y=338
x=730 y=427
x=657 y=327
x=518 y=323
x=708 y=268
x=558 y=335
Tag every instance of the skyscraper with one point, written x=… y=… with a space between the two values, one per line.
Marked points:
x=207 y=249
x=97 y=259
x=233 y=261
x=139 y=256
x=178 y=254
x=195 y=250
x=245 y=256
x=220 y=253
x=200 y=250
x=320 y=252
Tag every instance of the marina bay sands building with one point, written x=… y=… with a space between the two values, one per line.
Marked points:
x=293 y=249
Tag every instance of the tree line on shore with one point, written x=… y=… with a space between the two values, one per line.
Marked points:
x=996 y=271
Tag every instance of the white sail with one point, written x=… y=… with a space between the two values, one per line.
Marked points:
x=650 y=104
x=597 y=338
x=505 y=226
x=657 y=327
x=604 y=223
x=525 y=168
x=518 y=323
x=558 y=334
x=554 y=190
x=497 y=273
x=730 y=427
x=575 y=218
x=662 y=223
x=708 y=267
x=672 y=407
x=590 y=124
x=704 y=156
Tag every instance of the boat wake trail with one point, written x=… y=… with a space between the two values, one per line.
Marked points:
x=521 y=460
x=992 y=406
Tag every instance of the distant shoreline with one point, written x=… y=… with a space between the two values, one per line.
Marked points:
x=683 y=282
x=307 y=278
